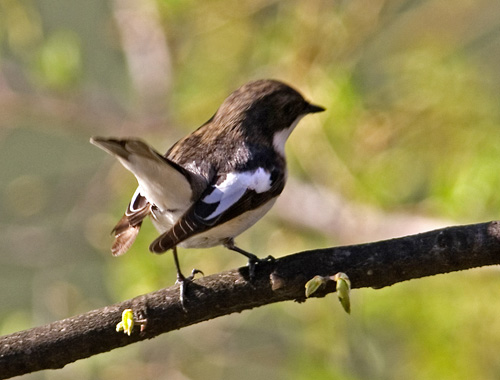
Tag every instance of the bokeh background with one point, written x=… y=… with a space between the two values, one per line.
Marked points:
x=410 y=142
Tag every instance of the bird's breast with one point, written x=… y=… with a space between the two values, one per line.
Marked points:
x=230 y=229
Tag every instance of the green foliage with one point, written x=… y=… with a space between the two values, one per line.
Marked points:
x=59 y=62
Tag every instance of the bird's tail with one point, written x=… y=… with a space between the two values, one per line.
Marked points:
x=163 y=182
x=128 y=227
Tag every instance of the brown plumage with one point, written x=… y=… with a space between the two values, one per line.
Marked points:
x=218 y=181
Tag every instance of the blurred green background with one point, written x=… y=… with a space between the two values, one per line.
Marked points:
x=409 y=142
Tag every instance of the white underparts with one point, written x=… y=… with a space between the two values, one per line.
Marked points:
x=231 y=228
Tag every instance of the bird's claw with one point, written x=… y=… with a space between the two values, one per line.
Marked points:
x=184 y=281
x=254 y=261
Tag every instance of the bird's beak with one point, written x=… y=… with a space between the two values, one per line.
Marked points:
x=312 y=108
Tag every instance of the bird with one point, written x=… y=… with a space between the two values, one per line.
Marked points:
x=216 y=182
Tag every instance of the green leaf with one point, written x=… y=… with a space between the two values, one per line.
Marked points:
x=343 y=290
x=314 y=284
x=127 y=323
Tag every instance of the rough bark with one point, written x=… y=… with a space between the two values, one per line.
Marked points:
x=374 y=265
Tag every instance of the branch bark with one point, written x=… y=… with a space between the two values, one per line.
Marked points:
x=374 y=265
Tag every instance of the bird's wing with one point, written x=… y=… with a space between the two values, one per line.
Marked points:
x=228 y=198
x=164 y=183
x=128 y=227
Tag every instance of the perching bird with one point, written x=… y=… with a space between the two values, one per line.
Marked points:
x=218 y=181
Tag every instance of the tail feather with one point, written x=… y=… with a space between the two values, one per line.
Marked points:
x=163 y=182
x=125 y=239
x=128 y=227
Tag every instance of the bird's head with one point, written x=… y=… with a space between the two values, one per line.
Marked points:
x=265 y=109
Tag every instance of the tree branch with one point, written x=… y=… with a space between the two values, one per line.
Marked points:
x=374 y=265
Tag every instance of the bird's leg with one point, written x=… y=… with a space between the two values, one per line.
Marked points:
x=181 y=279
x=252 y=259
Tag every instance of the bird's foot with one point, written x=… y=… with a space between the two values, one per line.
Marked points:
x=254 y=261
x=184 y=282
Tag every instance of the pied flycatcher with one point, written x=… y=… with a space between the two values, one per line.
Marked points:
x=218 y=181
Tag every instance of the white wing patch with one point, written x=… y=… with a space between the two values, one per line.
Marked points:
x=233 y=188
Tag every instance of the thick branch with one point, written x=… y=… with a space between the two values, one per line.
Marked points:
x=369 y=265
